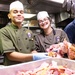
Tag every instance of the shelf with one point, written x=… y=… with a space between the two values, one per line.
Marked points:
x=29 y=16
x=31 y=26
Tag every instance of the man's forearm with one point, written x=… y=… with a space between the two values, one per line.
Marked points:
x=16 y=56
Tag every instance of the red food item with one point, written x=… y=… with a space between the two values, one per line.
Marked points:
x=71 y=52
x=58 y=50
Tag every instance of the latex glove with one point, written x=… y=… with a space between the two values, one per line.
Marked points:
x=38 y=56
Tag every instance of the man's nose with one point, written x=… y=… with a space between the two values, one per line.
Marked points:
x=18 y=13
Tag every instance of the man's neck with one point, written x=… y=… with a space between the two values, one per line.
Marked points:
x=19 y=25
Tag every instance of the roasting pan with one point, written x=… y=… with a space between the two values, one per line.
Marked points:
x=12 y=70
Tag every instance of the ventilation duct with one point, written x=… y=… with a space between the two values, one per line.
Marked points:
x=32 y=2
x=70 y=7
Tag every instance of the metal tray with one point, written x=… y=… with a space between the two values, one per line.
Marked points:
x=12 y=70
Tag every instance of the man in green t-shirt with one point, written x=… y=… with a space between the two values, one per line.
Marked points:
x=18 y=43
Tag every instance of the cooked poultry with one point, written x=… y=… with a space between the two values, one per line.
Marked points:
x=62 y=48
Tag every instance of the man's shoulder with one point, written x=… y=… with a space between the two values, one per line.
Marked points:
x=71 y=24
x=39 y=35
x=7 y=27
x=58 y=29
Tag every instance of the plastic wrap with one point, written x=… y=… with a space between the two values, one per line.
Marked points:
x=12 y=70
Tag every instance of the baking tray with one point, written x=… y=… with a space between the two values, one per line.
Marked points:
x=12 y=70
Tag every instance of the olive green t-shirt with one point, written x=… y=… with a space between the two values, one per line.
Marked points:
x=14 y=39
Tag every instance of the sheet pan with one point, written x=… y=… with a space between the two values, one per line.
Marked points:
x=12 y=70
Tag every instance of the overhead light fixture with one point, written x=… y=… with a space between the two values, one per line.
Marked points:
x=26 y=15
x=58 y=1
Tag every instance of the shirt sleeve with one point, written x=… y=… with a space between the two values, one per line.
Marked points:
x=70 y=31
x=7 y=45
x=64 y=36
x=37 y=43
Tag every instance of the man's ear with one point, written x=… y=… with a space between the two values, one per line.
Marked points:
x=9 y=16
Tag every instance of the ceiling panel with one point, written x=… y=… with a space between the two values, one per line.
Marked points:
x=36 y=6
x=50 y=6
x=6 y=1
x=4 y=5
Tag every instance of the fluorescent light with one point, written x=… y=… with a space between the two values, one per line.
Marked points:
x=26 y=15
x=58 y=1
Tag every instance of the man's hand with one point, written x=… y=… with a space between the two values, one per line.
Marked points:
x=38 y=56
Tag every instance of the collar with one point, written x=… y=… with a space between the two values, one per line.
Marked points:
x=13 y=26
x=54 y=32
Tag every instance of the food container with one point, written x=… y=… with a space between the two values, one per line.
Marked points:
x=12 y=70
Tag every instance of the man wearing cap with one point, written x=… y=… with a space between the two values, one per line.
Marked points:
x=17 y=42
x=49 y=35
